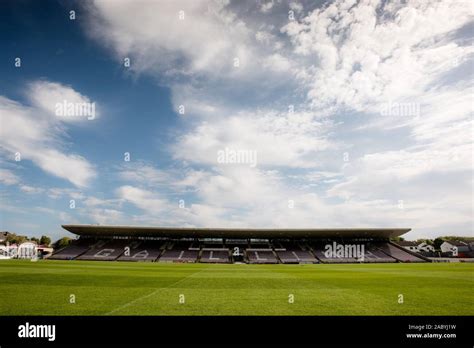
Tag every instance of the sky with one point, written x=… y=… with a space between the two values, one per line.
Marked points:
x=237 y=114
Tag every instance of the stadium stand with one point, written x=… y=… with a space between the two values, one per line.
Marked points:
x=320 y=255
x=105 y=250
x=179 y=256
x=287 y=256
x=293 y=253
x=257 y=246
x=72 y=251
x=261 y=256
x=319 y=252
x=180 y=252
x=237 y=249
x=400 y=254
x=374 y=255
x=215 y=256
x=143 y=251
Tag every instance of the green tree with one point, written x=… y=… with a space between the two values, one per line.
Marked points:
x=45 y=240
x=13 y=238
x=62 y=243
x=437 y=243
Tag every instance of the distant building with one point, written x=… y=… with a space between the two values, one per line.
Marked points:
x=8 y=251
x=456 y=248
x=412 y=246
x=44 y=251
x=470 y=243
x=423 y=246
x=27 y=250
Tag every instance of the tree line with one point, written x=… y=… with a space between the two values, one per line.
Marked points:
x=13 y=238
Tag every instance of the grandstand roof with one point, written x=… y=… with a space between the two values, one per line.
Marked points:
x=195 y=232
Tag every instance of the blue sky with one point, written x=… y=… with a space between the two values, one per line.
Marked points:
x=357 y=114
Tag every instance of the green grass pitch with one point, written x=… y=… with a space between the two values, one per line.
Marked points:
x=123 y=288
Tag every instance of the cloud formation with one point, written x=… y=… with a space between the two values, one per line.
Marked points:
x=342 y=63
x=36 y=134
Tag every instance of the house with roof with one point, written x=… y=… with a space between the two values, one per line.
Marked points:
x=456 y=248
x=409 y=245
x=423 y=246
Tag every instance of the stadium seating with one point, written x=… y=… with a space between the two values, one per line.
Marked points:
x=296 y=256
x=72 y=251
x=322 y=257
x=374 y=252
x=374 y=255
x=261 y=256
x=143 y=251
x=256 y=252
x=399 y=253
x=106 y=250
x=236 y=246
x=287 y=256
x=179 y=252
x=215 y=256
x=319 y=252
x=293 y=253
x=179 y=256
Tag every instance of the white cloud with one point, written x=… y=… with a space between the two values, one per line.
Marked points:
x=56 y=193
x=266 y=6
x=144 y=199
x=46 y=96
x=365 y=55
x=264 y=37
x=296 y=6
x=38 y=135
x=212 y=51
x=71 y=167
x=207 y=38
x=192 y=178
x=31 y=189
x=361 y=56
x=144 y=174
x=91 y=201
x=277 y=62
x=7 y=177
x=279 y=139
x=347 y=56
x=104 y=216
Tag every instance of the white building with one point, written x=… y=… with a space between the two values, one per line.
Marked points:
x=423 y=246
x=412 y=246
x=27 y=250
x=456 y=247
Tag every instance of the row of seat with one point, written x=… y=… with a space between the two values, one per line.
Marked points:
x=126 y=250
